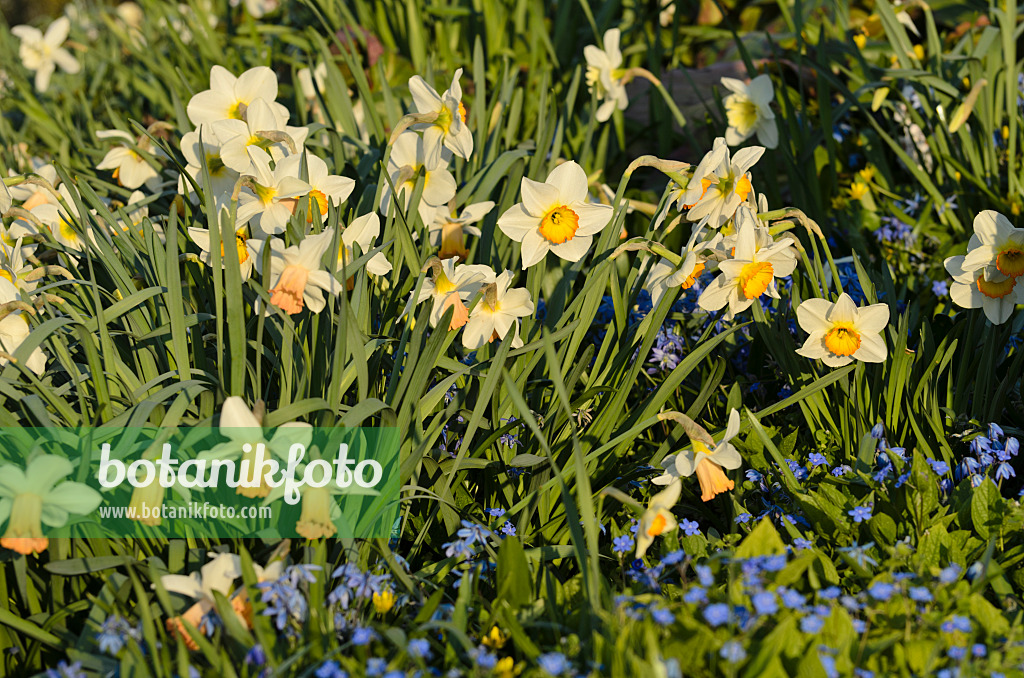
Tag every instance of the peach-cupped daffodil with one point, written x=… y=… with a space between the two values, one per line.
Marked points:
x=756 y=262
x=298 y=278
x=985 y=288
x=42 y=53
x=216 y=576
x=658 y=519
x=325 y=187
x=31 y=497
x=229 y=96
x=270 y=199
x=497 y=312
x=605 y=75
x=720 y=184
x=242 y=428
x=448 y=129
x=448 y=232
x=555 y=216
x=705 y=462
x=407 y=161
x=451 y=285
x=748 y=110
x=841 y=332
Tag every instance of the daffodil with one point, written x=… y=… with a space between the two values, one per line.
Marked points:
x=448 y=129
x=247 y=249
x=244 y=433
x=751 y=271
x=363 y=231
x=720 y=184
x=840 y=332
x=407 y=161
x=319 y=510
x=264 y=128
x=229 y=97
x=269 y=202
x=64 y=220
x=986 y=288
x=203 y=147
x=658 y=519
x=996 y=243
x=298 y=279
x=448 y=232
x=325 y=188
x=130 y=168
x=664 y=275
x=42 y=53
x=450 y=286
x=312 y=81
x=216 y=576
x=13 y=266
x=5 y=198
x=35 y=496
x=497 y=312
x=259 y=8
x=706 y=463
x=14 y=328
x=605 y=75
x=555 y=216
x=748 y=110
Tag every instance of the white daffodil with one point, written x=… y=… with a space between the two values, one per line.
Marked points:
x=406 y=162
x=665 y=275
x=32 y=194
x=14 y=328
x=35 y=496
x=555 y=216
x=131 y=170
x=496 y=313
x=706 y=463
x=248 y=249
x=452 y=285
x=720 y=184
x=605 y=75
x=986 y=288
x=42 y=53
x=319 y=510
x=325 y=187
x=258 y=8
x=312 y=81
x=363 y=231
x=448 y=231
x=297 y=276
x=449 y=129
x=748 y=110
x=756 y=262
x=216 y=576
x=61 y=221
x=5 y=198
x=229 y=97
x=203 y=143
x=264 y=128
x=245 y=436
x=998 y=244
x=841 y=332
x=13 y=267
x=658 y=519
x=270 y=201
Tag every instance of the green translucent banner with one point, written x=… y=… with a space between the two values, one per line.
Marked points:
x=293 y=481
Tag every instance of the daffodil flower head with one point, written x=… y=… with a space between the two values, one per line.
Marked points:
x=408 y=160
x=363 y=231
x=297 y=276
x=450 y=286
x=129 y=167
x=35 y=496
x=265 y=202
x=15 y=328
x=42 y=53
x=216 y=576
x=264 y=127
x=658 y=518
x=986 y=288
x=720 y=184
x=555 y=216
x=664 y=276
x=448 y=231
x=840 y=332
x=229 y=97
x=325 y=188
x=5 y=198
x=751 y=272
x=449 y=129
x=246 y=249
x=748 y=110
x=706 y=462
x=497 y=312
x=997 y=243
x=605 y=75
